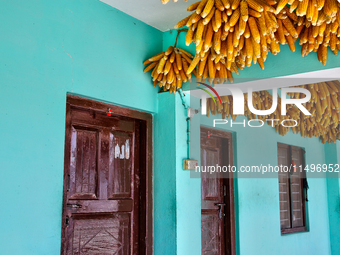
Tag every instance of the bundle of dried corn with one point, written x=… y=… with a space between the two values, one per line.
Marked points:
x=317 y=22
x=324 y=107
x=238 y=33
x=170 y=68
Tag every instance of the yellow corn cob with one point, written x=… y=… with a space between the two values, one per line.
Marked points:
x=201 y=67
x=310 y=10
x=291 y=42
x=266 y=6
x=254 y=13
x=172 y=56
x=193 y=7
x=219 y=5
x=229 y=12
x=161 y=65
x=254 y=29
x=217 y=41
x=201 y=6
x=324 y=54
x=302 y=8
x=209 y=17
x=234 y=18
x=235 y=4
x=193 y=64
x=290 y=27
x=255 y=5
x=256 y=48
x=320 y=4
x=281 y=36
x=294 y=5
x=208 y=37
x=149 y=67
x=249 y=48
x=224 y=17
x=281 y=4
x=183 y=22
x=185 y=53
x=291 y=15
x=207 y=8
x=242 y=27
x=218 y=18
x=261 y=63
x=244 y=10
x=226 y=3
x=189 y=37
x=230 y=46
x=154 y=58
x=213 y=22
x=186 y=58
x=175 y=68
x=199 y=32
x=262 y=24
x=211 y=69
x=167 y=67
x=195 y=18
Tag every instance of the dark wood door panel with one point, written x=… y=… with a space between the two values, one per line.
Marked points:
x=94 y=118
x=104 y=208
x=101 y=235
x=217 y=194
x=83 y=168
x=211 y=233
x=121 y=165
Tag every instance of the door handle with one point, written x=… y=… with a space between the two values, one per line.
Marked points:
x=220 y=209
x=74 y=205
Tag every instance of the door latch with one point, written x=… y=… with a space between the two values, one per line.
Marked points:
x=74 y=205
x=220 y=209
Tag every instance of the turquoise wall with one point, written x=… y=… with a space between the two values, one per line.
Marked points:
x=165 y=176
x=258 y=227
x=332 y=153
x=49 y=49
x=258 y=221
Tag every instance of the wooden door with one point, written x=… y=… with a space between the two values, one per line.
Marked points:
x=217 y=194
x=102 y=197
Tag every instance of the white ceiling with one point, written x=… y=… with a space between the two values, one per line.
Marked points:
x=152 y=12
x=279 y=82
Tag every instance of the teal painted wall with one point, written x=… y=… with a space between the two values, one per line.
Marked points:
x=187 y=188
x=49 y=49
x=333 y=194
x=165 y=176
x=258 y=221
x=258 y=227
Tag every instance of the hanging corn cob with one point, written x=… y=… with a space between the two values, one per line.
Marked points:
x=318 y=24
x=232 y=34
x=236 y=34
x=324 y=106
x=256 y=27
x=170 y=68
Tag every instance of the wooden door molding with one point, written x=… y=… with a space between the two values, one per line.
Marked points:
x=227 y=146
x=144 y=197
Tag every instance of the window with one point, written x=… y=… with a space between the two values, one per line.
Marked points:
x=292 y=186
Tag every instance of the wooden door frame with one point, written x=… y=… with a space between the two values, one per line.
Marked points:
x=229 y=181
x=146 y=169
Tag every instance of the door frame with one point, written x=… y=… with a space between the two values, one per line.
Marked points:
x=227 y=181
x=146 y=166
